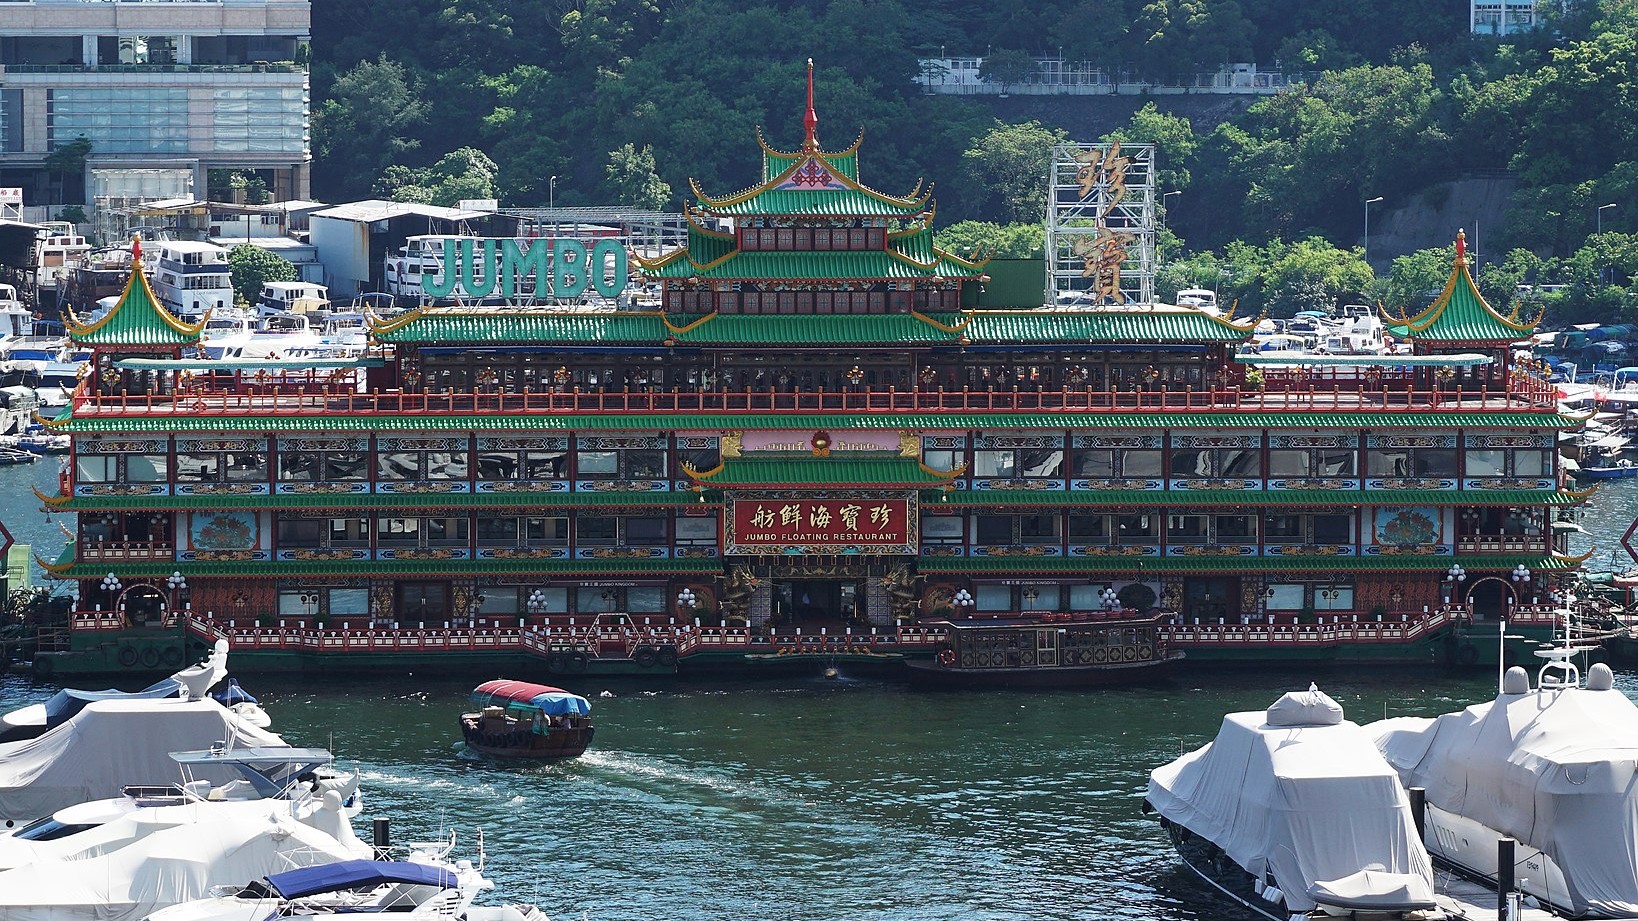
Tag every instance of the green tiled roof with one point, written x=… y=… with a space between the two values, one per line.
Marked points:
x=964 y=498
x=639 y=422
x=136 y=319
x=387 y=500
x=1248 y=564
x=486 y=327
x=609 y=567
x=812 y=203
x=890 y=329
x=841 y=468
x=1156 y=325
x=1461 y=314
x=827 y=265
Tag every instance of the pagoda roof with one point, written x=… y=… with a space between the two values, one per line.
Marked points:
x=776 y=162
x=458 y=326
x=136 y=319
x=840 y=468
x=1460 y=313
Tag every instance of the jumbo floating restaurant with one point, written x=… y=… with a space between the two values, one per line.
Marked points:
x=822 y=443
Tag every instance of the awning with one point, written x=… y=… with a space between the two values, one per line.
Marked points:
x=1465 y=360
x=357 y=874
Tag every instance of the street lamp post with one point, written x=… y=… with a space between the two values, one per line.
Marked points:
x=1109 y=597
x=178 y=584
x=686 y=599
x=1601 y=209
x=1455 y=576
x=1030 y=594
x=962 y=601
x=551 y=196
x=1163 y=219
x=1368 y=203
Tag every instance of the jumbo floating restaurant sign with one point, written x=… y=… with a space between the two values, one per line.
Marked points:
x=486 y=266
x=814 y=525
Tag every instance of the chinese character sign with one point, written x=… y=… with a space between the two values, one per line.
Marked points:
x=776 y=525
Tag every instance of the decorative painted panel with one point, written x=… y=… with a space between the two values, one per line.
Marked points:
x=225 y=535
x=1210 y=440
x=622 y=553
x=1202 y=550
x=320 y=488
x=1145 y=484
x=1310 y=550
x=1410 y=441
x=502 y=443
x=942 y=550
x=1018 y=550
x=1127 y=550
x=423 y=487
x=992 y=442
x=122 y=489
x=622 y=486
x=184 y=443
x=618 y=442
x=121 y=445
x=523 y=486
x=1508 y=440
x=1509 y=483
x=422 y=443
x=324 y=444
x=1150 y=442
x=1320 y=440
x=943 y=442
x=222 y=489
x=1020 y=483
x=1328 y=483
x=1389 y=483
x=424 y=553
x=1216 y=483
x=1407 y=531
x=694 y=442
x=523 y=553
x=325 y=554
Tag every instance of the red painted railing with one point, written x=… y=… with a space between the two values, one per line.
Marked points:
x=1283 y=395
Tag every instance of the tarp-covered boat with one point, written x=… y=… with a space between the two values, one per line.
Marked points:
x=517 y=719
x=1290 y=807
x=1555 y=768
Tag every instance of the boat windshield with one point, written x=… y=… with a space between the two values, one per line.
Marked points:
x=49 y=829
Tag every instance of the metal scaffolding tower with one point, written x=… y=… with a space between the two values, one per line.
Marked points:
x=1100 y=225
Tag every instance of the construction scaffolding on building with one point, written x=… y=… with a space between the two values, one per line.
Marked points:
x=1100 y=225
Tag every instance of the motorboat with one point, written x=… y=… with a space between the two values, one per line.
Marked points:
x=243 y=705
x=517 y=719
x=110 y=744
x=10 y=456
x=191 y=683
x=1554 y=767
x=423 y=886
x=1116 y=647
x=157 y=846
x=1292 y=812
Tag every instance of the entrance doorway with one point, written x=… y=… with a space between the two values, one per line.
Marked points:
x=1211 y=599
x=1488 y=598
x=797 y=601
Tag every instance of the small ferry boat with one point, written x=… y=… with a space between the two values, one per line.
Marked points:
x=1064 y=651
x=517 y=719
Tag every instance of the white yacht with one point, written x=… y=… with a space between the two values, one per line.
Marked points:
x=292 y=297
x=61 y=249
x=1203 y=299
x=1292 y=813
x=156 y=846
x=1554 y=767
x=192 y=278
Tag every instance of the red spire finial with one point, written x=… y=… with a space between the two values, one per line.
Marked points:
x=1461 y=247
x=136 y=247
x=810 y=121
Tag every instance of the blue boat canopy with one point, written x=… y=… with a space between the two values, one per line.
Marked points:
x=357 y=874
x=548 y=700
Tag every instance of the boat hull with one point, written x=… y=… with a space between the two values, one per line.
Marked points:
x=934 y=674
x=1207 y=861
x=522 y=743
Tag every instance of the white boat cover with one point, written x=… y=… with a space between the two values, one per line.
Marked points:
x=164 y=868
x=1552 y=768
x=1306 y=801
x=114 y=743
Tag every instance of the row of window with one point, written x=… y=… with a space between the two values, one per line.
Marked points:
x=803 y=239
x=310 y=466
x=497 y=531
x=430 y=602
x=1247 y=463
x=1119 y=530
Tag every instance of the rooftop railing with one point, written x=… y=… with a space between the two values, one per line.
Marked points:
x=1285 y=394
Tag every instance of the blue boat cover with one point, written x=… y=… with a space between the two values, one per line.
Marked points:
x=548 y=700
x=69 y=701
x=233 y=694
x=357 y=874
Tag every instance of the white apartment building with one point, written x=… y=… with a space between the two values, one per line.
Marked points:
x=164 y=90
x=1501 y=17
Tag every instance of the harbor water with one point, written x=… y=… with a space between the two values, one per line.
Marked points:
x=808 y=798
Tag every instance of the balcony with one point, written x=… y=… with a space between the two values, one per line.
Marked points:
x=112 y=551
x=1293 y=393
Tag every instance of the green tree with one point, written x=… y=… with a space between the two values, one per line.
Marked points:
x=1185 y=37
x=1007 y=67
x=1311 y=274
x=463 y=173
x=1416 y=278
x=1174 y=140
x=631 y=178
x=66 y=163
x=364 y=125
x=1007 y=169
x=250 y=267
x=1001 y=241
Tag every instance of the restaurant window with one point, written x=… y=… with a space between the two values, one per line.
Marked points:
x=1038 y=529
x=447 y=531
x=644 y=532
x=1333 y=529
x=993 y=529
x=1140 y=463
x=696 y=530
x=1096 y=464
x=349 y=602
x=1187 y=529
x=1216 y=462
x=595 y=530
x=1234 y=529
x=1283 y=528
x=1411 y=462
x=1285 y=597
x=942 y=461
x=1290 y=463
x=546 y=532
x=593 y=599
x=397 y=532
x=1084 y=528
x=497 y=531
x=220 y=466
x=1010 y=463
x=1130 y=528
x=993 y=598
x=941 y=529
x=301 y=532
x=624 y=463
x=523 y=465
x=421 y=465
x=645 y=599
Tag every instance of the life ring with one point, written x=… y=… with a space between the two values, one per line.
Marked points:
x=947 y=658
x=554 y=662
x=1468 y=654
x=667 y=656
x=172 y=656
x=127 y=656
x=150 y=658
x=577 y=662
x=644 y=657
x=199 y=407
x=43 y=667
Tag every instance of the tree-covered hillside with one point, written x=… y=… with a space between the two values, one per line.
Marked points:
x=623 y=100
